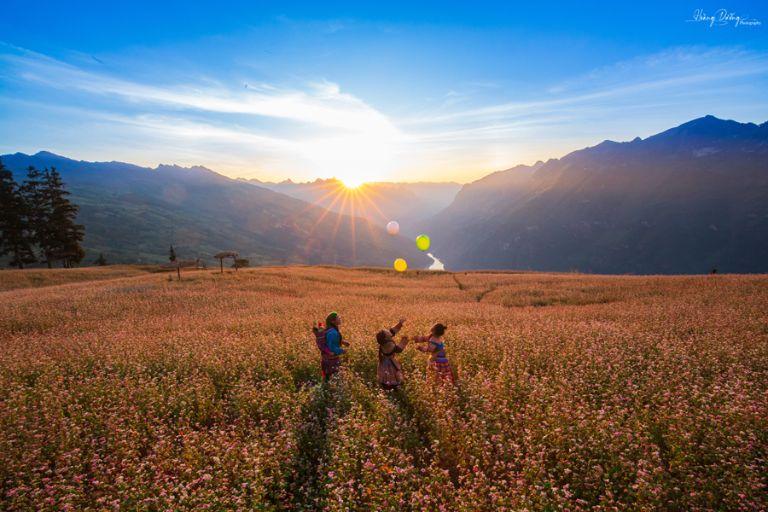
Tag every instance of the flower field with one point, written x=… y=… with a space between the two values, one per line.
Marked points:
x=574 y=392
x=30 y=278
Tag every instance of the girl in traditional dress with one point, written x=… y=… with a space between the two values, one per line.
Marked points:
x=389 y=372
x=329 y=342
x=438 y=366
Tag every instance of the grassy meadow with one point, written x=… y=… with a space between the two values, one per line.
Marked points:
x=37 y=277
x=122 y=389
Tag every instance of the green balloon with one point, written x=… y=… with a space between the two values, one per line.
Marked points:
x=422 y=242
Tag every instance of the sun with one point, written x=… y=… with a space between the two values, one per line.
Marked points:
x=352 y=159
x=351 y=183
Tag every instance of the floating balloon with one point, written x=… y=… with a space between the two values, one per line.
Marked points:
x=422 y=242
x=400 y=265
x=393 y=227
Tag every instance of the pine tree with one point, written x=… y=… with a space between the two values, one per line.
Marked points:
x=61 y=235
x=37 y=209
x=101 y=260
x=15 y=237
x=172 y=255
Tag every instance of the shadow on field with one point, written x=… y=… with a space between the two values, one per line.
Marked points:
x=312 y=438
x=417 y=442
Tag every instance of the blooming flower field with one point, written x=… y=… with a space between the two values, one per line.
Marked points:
x=574 y=392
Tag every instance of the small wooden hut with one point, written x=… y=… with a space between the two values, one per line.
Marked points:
x=226 y=254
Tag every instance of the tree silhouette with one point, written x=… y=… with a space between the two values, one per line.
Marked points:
x=62 y=234
x=172 y=255
x=15 y=236
x=101 y=260
x=37 y=209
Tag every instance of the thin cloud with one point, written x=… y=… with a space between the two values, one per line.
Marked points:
x=670 y=71
x=334 y=132
x=323 y=104
x=318 y=129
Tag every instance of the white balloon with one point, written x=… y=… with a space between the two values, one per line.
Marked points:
x=393 y=227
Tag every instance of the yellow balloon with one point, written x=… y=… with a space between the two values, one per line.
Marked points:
x=401 y=265
x=422 y=242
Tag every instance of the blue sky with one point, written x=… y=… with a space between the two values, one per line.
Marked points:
x=393 y=91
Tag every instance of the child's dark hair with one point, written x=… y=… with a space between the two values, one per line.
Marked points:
x=382 y=336
x=439 y=329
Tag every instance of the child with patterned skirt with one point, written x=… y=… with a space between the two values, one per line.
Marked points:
x=438 y=367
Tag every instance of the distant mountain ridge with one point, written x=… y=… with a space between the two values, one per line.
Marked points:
x=687 y=200
x=411 y=204
x=133 y=213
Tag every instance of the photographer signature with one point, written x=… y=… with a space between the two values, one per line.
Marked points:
x=722 y=17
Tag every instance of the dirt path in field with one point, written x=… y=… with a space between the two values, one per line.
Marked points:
x=479 y=296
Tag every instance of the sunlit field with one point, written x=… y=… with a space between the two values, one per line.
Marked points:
x=12 y=279
x=129 y=391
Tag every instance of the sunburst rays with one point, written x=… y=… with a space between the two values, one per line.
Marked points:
x=350 y=205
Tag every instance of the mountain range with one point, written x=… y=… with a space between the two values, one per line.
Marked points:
x=687 y=200
x=411 y=204
x=133 y=214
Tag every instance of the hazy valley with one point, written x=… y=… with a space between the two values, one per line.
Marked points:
x=688 y=200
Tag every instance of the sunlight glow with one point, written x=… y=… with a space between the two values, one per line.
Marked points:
x=361 y=155
x=343 y=201
x=351 y=183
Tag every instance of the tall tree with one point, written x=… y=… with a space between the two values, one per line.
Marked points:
x=15 y=236
x=172 y=255
x=37 y=208
x=62 y=235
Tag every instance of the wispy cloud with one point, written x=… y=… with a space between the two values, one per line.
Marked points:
x=670 y=72
x=332 y=131
x=634 y=97
x=315 y=128
x=321 y=103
